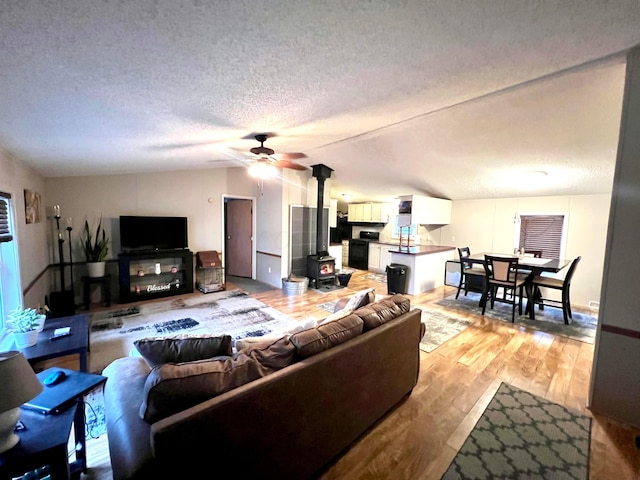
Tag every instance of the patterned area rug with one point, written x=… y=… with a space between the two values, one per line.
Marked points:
x=521 y=435
x=439 y=327
x=328 y=306
x=377 y=277
x=230 y=312
x=582 y=327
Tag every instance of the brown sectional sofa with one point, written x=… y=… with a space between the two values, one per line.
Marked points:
x=342 y=376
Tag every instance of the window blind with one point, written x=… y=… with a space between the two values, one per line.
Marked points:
x=542 y=232
x=5 y=224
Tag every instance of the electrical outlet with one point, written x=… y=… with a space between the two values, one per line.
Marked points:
x=453 y=239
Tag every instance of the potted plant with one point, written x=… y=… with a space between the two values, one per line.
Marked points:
x=25 y=324
x=95 y=249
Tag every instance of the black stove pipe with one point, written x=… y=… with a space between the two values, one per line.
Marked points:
x=321 y=172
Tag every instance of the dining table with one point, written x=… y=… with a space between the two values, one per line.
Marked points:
x=533 y=265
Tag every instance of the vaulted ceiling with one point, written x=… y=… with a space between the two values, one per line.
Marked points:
x=455 y=99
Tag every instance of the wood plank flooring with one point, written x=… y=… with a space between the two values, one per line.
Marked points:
x=420 y=437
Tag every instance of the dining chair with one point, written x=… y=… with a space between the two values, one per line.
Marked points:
x=502 y=272
x=470 y=274
x=554 y=283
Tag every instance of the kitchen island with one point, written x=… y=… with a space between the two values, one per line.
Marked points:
x=426 y=265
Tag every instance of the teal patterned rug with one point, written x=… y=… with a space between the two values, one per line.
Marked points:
x=582 y=327
x=439 y=327
x=524 y=436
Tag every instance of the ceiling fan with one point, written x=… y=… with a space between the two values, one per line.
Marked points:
x=279 y=160
x=263 y=162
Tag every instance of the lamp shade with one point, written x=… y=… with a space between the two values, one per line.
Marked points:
x=19 y=385
x=18 y=380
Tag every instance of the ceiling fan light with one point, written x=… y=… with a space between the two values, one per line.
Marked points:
x=262 y=170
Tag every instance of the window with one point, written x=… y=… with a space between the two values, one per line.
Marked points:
x=413 y=229
x=543 y=233
x=10 y=294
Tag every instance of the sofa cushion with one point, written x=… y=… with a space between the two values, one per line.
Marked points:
x=173 y=387
x=182 y=348
x=271 y=337
x=326 y=335
x=360 y=299
x=377 y=313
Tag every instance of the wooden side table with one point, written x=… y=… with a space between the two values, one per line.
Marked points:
x=77 y=342
x=45 y=438
x=104 y=282
x=43 y=442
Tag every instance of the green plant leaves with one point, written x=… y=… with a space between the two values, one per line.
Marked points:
x=95 y=248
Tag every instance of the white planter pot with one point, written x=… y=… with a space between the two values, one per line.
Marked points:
x=25 y=339
x=41 y=320
x=95 y=269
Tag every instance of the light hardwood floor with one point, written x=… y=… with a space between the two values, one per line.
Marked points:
x=420 y=437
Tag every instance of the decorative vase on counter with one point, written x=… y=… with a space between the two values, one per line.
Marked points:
x=96 y=269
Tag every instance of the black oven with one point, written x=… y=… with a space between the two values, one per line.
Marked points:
x=359 y=250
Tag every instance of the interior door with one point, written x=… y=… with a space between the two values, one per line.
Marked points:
x=238 y=240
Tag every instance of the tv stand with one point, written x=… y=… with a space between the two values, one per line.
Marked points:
x=146 y=275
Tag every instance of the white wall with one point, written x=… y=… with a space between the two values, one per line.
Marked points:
x=195 y=194
x=15 y=177
x=615 y=376
x=488 y=226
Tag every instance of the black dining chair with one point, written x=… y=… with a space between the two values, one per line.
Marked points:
x=472 y=276
x=554 y=283
x=502 y=272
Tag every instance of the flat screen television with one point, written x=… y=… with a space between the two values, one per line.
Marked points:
x=138 y=233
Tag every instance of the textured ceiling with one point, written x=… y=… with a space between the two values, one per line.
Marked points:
x=450 y=98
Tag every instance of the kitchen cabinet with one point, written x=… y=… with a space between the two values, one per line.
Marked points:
x=374 y=257
x=416 y=209
x=345 y=253
x=379 y=256
x=385 y=257
x=369 y=212
x=333 y=213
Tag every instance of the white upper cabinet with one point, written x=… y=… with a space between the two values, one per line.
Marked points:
x=369 y=212
x=424 y=210
x=333 y=213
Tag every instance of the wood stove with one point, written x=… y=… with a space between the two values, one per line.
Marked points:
x=322 y=269
x=321 y=266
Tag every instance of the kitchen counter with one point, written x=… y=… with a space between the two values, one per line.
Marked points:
x=425 y=265
x=421 y=249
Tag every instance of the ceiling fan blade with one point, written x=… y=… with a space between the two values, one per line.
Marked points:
x=287 y=164
x=289 y=156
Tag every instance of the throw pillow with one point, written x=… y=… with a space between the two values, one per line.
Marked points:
x=337 y=316
x=326 y=335
x=377 y=313
x=173 y=387
x=360 y=299
x=182 y=348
